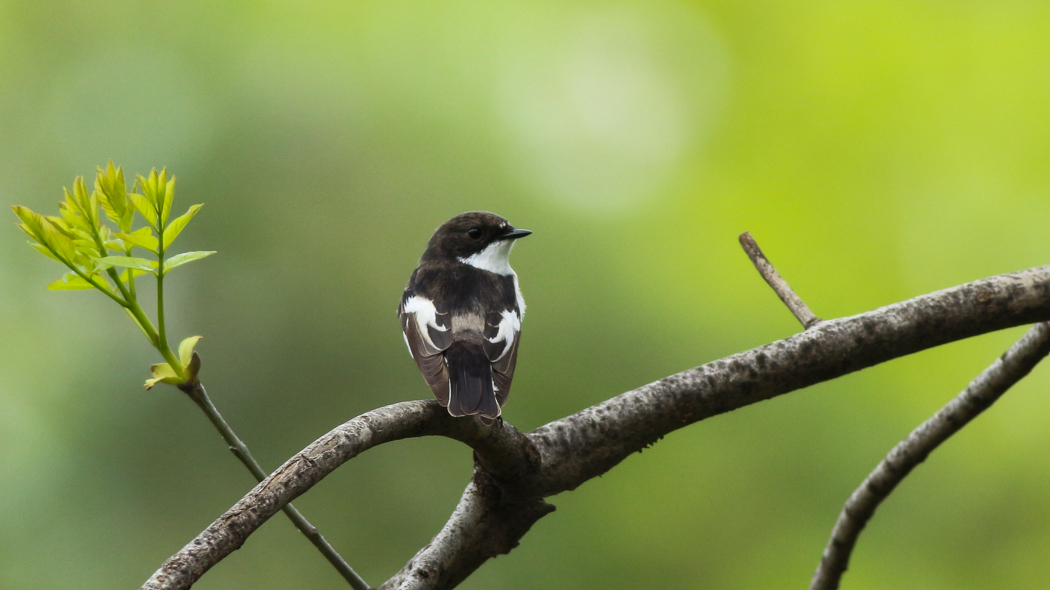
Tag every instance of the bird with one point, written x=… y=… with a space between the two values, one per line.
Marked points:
x=461 y=314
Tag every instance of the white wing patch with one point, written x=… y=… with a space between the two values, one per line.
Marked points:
x=405 y=336
x=520 y=299
x=508 y=330
x=494 y=258
x=425 y=314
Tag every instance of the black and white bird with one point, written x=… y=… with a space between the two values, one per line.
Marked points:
x=461 y=314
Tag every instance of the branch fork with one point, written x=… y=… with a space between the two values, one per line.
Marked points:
x=516 y=471
x=982 y=392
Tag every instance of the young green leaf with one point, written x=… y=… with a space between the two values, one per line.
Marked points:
x=162 y=373
x=43 y=250
x=143 y=238
x=87 y=247
x=85 y=203
x=184 y=258
x=60 y=225
x=107 y=207
x=71 y=214
x=112 y=193
x=169 y=196
x=122 y=217
x=32 y=223
x=126 y=262
x=44 y=231
x=145 y=208
x=159 y=191
x=128 y=218
x=149 y=187
x=186 y=349
x=134 y=272
x=172 y=231
x=59 y=241
x=113 y=211
x=70 y=281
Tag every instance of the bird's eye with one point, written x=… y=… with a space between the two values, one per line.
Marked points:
x=474 y=233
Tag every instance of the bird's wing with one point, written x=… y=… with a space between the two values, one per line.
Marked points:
x=427 y=332
x=502 y=334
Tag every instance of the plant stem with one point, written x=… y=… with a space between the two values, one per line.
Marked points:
x=162 y=339
x=151 y=332
x=104 y=290
x=200 y=396
x=131 y=280
x=120 y=286
x=102 y=253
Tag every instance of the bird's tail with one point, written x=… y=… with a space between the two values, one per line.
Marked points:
x=470 y=381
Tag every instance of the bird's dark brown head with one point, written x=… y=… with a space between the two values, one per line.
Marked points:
x=471 y=234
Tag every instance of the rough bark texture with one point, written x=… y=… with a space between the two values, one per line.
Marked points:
x=515 y=471
x=977 y=397
x=483 y=526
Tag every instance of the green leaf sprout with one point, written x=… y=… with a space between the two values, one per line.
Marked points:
x=80 y=239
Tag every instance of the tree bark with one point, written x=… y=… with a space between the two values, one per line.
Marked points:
x=982 y=392
x=515 y=472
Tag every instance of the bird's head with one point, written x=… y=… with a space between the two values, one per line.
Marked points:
x=481 y=239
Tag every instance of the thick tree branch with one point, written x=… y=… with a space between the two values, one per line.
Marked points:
x=589 y=443
x=780 y=286
x=486 y=523
x=977 y=397
x=563 y=454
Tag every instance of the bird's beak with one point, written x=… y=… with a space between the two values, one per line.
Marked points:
x=514 y=234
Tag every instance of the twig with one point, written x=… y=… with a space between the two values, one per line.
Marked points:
x=566 y=453
x=777 y=282
x=240 y=450
x=977 y=397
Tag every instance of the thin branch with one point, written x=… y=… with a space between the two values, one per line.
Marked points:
x=977 y=397
x=199 y=395
x=563 y=454
x=500 y=448
x=777 y=282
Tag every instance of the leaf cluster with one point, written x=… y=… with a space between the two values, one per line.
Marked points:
x=81 y=239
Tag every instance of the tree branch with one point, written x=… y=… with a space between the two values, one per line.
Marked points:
x=486 y=523
x=565 y=453
x=199 y=395
x=977 y=397
x=501 y=449
x=777 y=282
x=589 y=443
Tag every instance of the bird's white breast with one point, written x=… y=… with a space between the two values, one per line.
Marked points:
x=494 y=258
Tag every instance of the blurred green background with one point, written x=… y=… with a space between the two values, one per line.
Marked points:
x=876 y=150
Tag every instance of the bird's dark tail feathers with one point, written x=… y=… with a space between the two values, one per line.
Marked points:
x=470 y=381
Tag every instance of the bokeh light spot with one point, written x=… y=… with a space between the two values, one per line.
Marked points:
x=600 y=116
